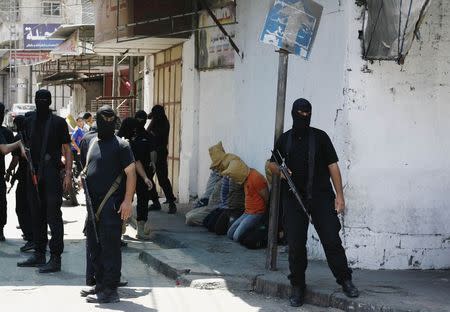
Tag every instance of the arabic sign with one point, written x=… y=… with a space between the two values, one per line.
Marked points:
x=214 y=48
x=26 y=58
x=292 y=25
x=36 y=36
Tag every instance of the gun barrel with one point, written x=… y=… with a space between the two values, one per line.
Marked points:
x=90 y=208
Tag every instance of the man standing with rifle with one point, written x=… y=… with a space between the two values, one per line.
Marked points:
x=22 y=206
x=110 y=178
x=311 y=160
x=46 y=136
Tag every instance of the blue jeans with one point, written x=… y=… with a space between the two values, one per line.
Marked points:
x=242 y=225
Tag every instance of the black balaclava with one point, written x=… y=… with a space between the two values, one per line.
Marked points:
x=301 y=123
x=43 y=100
x=106 y=122
x=128 y=128
x=2 y=113
x=19 y=121
x=141 y=117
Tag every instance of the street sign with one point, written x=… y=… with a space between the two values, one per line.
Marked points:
x=36 y=36
x=292 y=25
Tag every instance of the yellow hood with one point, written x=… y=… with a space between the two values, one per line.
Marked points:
x=226 y=161
x=237 y=170
x=217 y=153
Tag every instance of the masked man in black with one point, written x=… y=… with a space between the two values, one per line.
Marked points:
x=22 y=208
x=312 y=160
x=159 y=128
x=47 y=137
x=111 y=179
x=7 y=138
x=142 y=144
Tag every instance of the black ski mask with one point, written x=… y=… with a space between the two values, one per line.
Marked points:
x=141 y=117
x=43 y=100
x=106 y=122
x=2 y=112
x=128 y=128
x=19 y=122
x=301 y=122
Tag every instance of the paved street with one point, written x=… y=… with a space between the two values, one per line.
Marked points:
x=23 y=289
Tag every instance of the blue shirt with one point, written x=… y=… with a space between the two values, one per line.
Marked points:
x=77 y=136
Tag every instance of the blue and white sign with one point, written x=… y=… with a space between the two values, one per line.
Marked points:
x=292 y=25
x=36 y=36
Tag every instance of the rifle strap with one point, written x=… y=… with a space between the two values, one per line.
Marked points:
x=114 y=187
x=311 y=164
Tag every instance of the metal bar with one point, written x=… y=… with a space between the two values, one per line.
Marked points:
x=114 y=81
x=30 y=84
x=272 y=248
x=131 y=74
x=219 y=24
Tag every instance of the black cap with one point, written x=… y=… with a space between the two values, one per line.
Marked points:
x=302 y=105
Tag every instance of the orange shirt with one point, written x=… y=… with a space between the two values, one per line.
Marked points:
x=254 y=203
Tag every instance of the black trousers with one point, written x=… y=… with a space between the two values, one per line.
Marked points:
x=3 y=204
x=143 y=195
x=23 y=209
x=327 y=226
x=106 y=256
x=48 y=212
x=162 y=172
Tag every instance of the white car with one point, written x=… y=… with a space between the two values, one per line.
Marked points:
x=18 y=109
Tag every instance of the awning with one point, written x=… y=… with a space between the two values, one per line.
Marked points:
x=64 y=31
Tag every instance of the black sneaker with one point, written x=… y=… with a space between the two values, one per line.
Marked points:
x=297 y=296
x=53 y=265
x=172 y=208
x=88 y=291
x=349 y=289
x=28 y=246
x=104 y=296
x=36 y=260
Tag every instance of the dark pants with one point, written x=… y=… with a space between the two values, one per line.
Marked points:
x=327 y=226
x=23 y=209
x=3 y=204
x=77 y=160
x=47 y=211
x=143 y=195
x=105 y=257
x=162 y=173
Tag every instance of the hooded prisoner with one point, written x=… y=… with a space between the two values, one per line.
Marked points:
x=312 y=159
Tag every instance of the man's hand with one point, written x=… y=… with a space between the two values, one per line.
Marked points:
x=67 y=183
x=339 y=204
x=125 y=210
x=149 y=183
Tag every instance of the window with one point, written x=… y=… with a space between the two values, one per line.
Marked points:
x=51 y=8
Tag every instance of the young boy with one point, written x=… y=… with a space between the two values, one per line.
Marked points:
x=77 y=136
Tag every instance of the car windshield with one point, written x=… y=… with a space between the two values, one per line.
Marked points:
x=26 y=107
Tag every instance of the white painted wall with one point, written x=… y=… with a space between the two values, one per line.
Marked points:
x=399 y=174
x=389 y=127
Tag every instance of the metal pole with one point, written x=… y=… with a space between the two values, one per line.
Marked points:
x=30 y=84
x=131 y=75
x=54 y=96
x=272 y=248
x=114 y=80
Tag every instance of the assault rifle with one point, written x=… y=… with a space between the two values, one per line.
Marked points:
x=33 y=174
x=13 y=181
x=90 y=208
x=279 y=160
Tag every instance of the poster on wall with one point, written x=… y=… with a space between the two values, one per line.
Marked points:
x=36 y=36
x=214 y=48
x=26 y=58
x=292 y=25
